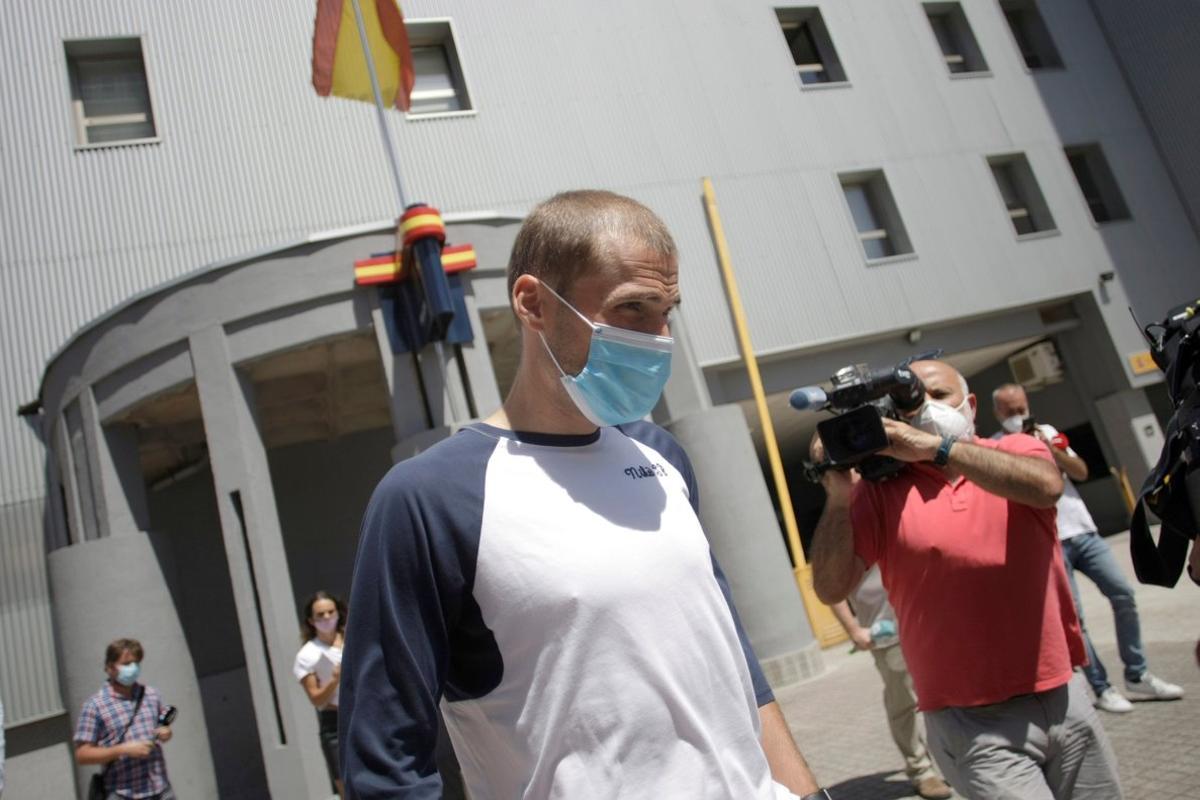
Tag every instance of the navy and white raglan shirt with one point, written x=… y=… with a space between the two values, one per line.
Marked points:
x=557 y=597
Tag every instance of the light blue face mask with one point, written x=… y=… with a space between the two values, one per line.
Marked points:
x=127 y=674
x=624 y=375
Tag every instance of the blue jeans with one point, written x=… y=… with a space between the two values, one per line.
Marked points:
x=1089 y=554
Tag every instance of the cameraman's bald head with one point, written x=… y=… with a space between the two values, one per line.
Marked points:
x=943 y=382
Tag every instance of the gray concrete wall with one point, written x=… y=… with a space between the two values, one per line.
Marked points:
x=322 y=489
x=111 y=588
x=187 y=541
x=38 y=759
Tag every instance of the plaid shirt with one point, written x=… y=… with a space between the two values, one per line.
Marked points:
x=101 y=721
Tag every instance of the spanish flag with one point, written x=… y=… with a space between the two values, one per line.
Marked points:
x=339 y=67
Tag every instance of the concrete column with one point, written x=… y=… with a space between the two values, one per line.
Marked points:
x=444 y=385
x=740 y=522
x=69 y=480
x=86 y=524
x=686 y=391
x=403 y=382
x=111 y=588
x=1133 y=431
x=481 y=375
x=118 y=487
x=258 y=571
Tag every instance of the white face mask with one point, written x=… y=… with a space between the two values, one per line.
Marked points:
x=942 y=419
x=1013 y=424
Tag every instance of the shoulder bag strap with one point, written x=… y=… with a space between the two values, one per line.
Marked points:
x=125 y=730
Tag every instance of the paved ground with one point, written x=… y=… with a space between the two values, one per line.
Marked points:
x=838 y=718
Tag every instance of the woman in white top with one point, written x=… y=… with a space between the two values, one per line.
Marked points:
x=318 y=667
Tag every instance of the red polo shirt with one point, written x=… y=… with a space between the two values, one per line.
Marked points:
x=977 y=581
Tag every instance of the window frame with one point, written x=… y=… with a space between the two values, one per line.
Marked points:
x=1102 y=178
x=417 y=37
x=79 y=122
x=1040 y=37
x=830 y=63
x=882 y=205
x=952 y=18
x=1031 y=203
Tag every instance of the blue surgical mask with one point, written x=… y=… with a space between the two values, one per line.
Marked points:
x=127 y=674
x=624 y=375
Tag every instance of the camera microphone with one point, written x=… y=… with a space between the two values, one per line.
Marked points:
x=809 y=398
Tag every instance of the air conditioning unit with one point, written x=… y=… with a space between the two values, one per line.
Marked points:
x=1036 y=366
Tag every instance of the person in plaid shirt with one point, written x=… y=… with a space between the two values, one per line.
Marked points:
x=134 y=764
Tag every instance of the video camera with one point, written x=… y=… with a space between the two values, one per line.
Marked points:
x=862 y=397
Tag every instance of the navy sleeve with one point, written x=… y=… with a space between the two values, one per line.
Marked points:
x=662 y=441
x=414 y=633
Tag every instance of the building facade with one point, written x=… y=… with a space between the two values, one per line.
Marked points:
x=197 y=372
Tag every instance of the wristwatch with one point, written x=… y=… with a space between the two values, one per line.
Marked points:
x=942 y=456
x=819 y=794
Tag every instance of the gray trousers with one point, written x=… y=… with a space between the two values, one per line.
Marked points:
x=1044 y=746
x=900 y=702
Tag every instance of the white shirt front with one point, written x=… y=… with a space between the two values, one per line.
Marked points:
x=318 y=658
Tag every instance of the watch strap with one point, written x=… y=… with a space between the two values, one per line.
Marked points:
x=942 y=456
x=819 y=794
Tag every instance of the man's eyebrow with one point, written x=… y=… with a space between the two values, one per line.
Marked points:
x=651 y=296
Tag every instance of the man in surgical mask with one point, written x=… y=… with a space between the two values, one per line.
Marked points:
x=119 y=728
x=966 y=543
x=1085 y=551
x=542 y=576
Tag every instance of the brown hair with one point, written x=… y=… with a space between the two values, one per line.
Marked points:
x=307 y=629
x=121 y=646
x=574 y=232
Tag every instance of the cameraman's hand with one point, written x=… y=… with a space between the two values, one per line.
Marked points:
x=909 y=444
x=838 y=483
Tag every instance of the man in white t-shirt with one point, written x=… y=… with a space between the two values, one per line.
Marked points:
x=1084 y=550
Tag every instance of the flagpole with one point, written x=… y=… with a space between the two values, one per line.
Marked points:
x=394 y=163
x=379 y=111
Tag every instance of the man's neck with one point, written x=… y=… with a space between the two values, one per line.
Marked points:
x=537 y=404
x=121 y=689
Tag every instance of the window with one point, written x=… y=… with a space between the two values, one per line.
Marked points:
x=1031 y=34
x=875 y=215
x=439 y=87
x=1097 y=183
x=1019 y=189
x=812 y=50
x=954 y=37
x=109 y=92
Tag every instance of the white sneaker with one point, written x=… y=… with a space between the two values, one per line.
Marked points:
x=1151 y=687
x=1113 y=702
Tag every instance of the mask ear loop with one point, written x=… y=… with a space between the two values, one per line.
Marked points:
x=563 y=300
x=546 y=345
x=542 y=336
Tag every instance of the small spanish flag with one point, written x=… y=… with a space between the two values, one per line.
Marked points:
x=390 y=268
x=458 y=258
x=339 y=66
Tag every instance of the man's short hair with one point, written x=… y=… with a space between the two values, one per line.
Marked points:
x=1001 y=389
x=575 y=232
x=115 y=649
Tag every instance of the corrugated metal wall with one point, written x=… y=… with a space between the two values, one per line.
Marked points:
x=642 y=97
x=1155 y=43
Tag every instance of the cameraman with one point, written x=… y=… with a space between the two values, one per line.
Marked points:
x=966 y=542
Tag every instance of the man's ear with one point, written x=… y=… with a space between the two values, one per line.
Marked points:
x=974 y=404
x=527 y=302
